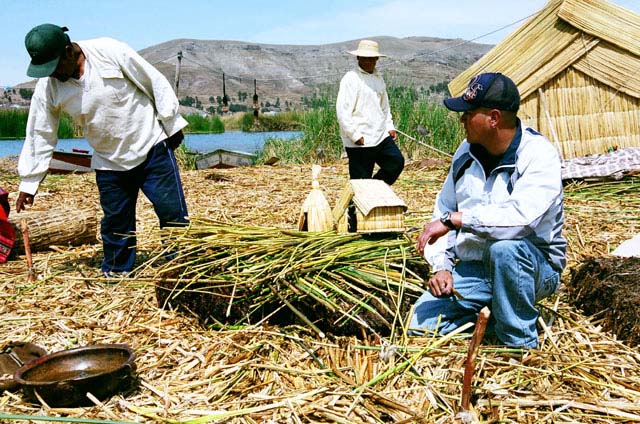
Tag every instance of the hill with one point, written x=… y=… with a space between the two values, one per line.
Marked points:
x=290 y=72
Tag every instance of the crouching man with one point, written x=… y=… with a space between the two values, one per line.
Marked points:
x=496 y=237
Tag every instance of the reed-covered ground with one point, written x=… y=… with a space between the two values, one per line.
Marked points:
x=261 y=372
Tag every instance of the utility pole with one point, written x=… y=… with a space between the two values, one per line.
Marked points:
x=177 y=81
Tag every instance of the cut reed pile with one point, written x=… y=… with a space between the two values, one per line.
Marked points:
x=287 y=374
x=338 y=283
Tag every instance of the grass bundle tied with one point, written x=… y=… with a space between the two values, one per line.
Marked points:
x=57 y=226
x=343 y=283
x=315 y=214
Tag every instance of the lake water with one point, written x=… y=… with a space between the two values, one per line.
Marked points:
x=203 y=143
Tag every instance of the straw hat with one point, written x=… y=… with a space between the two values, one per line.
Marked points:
x=367 y=48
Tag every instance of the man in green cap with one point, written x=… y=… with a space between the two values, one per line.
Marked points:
x=130 y=117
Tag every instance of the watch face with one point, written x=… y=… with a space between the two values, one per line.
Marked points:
x=446 y=220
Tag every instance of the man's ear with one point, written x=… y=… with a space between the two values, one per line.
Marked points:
x=68 y=51
x=495 y=118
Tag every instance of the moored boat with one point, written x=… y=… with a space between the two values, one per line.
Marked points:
x=76 y=161
x=222 y=158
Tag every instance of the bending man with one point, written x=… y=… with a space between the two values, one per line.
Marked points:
x=130 y=117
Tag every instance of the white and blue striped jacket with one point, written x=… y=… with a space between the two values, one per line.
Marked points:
x=521 y=198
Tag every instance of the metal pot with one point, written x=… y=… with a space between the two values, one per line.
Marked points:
x=62 y=379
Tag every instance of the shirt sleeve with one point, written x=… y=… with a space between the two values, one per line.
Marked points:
x=148 y=79
x=538 y=187
x=387 y=111
x=441 y=254
x=345 y=105
x=40 y=140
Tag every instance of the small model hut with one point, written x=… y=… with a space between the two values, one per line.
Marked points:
x=577 y=66
x=371 y=206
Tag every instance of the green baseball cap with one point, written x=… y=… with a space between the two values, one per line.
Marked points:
x=45 y=44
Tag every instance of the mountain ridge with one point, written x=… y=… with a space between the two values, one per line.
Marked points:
x=289 y=72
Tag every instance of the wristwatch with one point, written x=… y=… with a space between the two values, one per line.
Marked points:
x=446 y=220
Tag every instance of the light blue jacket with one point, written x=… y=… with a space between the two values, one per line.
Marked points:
x=521 y=198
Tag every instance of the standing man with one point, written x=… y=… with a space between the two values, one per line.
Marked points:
x=130 y=117
x=496 y=236
x=366 y=127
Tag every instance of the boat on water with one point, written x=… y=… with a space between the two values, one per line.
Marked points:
x=75 y=161
x=222 y=158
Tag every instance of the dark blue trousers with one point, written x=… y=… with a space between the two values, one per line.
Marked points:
x=159 y=180
x=386 y=155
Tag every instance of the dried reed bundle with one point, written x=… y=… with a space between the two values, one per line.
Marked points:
x=57 y=226
x=232 y=274
x=315 y=214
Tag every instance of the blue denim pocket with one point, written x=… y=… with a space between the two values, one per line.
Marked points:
x=548 y=286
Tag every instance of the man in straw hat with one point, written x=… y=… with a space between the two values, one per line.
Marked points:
x=130 y=117
x=366 y=127
x=496 y=236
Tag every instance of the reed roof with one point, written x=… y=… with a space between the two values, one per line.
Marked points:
x=371 y=194
x=567 y=33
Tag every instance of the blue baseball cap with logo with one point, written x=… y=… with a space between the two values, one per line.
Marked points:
x=45 y=44
x=491 y=90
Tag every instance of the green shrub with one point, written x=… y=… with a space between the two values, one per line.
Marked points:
x=284 y=121
x=13 y=124
x=202 y=124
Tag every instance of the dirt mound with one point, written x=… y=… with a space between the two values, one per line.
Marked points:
x=610 y=288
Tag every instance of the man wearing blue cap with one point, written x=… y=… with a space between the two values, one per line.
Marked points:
x=496 y=238
x=130 y=117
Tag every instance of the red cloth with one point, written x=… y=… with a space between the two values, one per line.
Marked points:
x=7 y=232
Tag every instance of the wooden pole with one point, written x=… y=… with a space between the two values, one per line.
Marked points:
x=177 y=80
x=24 y=228
x=469 y=368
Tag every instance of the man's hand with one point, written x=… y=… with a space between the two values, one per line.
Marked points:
x=430 y=234
x=360 y=141
x=394 y=135
x=441 y=283
x=23 y=199
x=174 y=141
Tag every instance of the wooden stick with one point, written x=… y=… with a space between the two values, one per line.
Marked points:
x=24 y=228
x=469 y=369
x=424 y=144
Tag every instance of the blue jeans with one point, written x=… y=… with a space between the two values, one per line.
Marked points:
x=510 y=279
x=159 y=180
x=386 y=155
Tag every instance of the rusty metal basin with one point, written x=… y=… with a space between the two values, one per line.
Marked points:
x=62 y=379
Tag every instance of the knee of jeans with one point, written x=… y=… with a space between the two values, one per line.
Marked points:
x=501 y=250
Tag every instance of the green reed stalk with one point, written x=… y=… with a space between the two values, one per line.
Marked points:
x=321 y=141
x=202 y=124
x=13 y=124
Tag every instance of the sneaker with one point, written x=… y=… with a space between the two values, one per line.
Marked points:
x=115 y=275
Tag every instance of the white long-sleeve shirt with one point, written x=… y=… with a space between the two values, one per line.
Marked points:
x=125 y=105
x=363 y=110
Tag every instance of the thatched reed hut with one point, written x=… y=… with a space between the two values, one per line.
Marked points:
x=377 y=208
x=577 y=65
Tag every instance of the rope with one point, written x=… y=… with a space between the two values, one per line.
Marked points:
x=422 y=143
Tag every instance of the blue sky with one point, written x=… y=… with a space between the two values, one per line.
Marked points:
x=145 y=23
